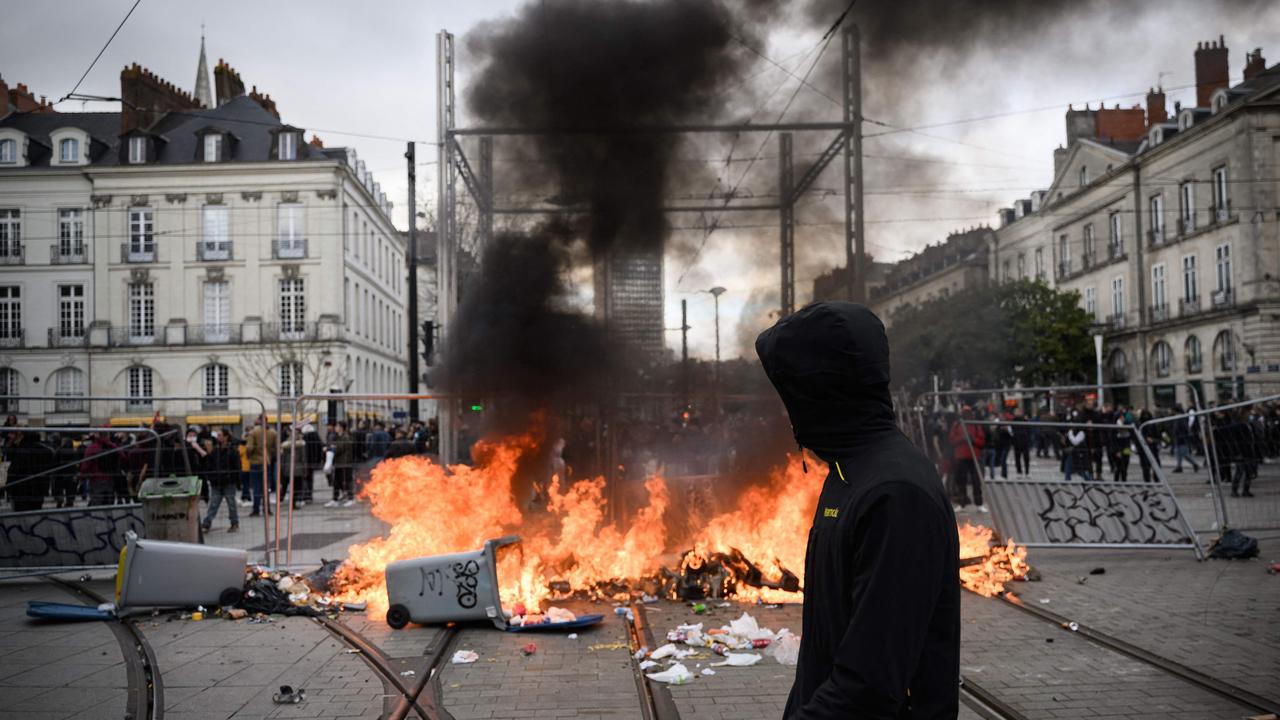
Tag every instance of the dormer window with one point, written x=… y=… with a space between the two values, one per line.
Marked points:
x=1186 y=119
x=69 y=150
x=1156 y=136
x=287 y=146
x=1219 y=100
x=137 y=150
x=8 y=151
x=1084 y=175
x=213 y=147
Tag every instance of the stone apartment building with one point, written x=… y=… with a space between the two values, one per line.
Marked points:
x=1166 y=224
x=189 y=245
x=959 y=263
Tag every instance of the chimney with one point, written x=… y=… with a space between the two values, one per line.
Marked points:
x=1254 y=63
x=4 y=97
x=316 y=142
x=1211 y=70
x=265 y=101
x=1157 y=112
x=1080 y=124
x=145 y=97
x=226 y=83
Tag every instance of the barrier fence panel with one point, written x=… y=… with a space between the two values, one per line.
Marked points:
x=1067 y=483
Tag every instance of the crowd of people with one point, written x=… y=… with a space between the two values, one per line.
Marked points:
x=1097 y=444
x=65 y=469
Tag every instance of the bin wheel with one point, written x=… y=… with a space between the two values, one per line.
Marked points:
x=230 y=596
x=397 y=616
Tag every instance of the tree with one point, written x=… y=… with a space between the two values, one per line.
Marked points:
x=1023 y=332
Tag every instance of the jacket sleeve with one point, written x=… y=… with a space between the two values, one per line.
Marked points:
x=900 y=546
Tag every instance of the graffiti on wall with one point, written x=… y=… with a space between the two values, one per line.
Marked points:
x=1110 y=513
x=69 y=537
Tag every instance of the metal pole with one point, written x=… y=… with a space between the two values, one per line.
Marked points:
x=447 y=271
x=855 y=240
x=786 y=227
x=684 y=350
x=411 y=156
x=1097 y=354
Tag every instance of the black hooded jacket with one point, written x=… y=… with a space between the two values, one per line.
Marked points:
x=881 y=629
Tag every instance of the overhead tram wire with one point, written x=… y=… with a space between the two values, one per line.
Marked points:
x=104 y=49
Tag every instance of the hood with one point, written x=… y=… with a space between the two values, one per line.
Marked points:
x=829 y=363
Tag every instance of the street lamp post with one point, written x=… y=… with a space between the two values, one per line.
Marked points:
x=1097 y=353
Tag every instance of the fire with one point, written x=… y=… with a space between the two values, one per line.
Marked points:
x=986 y=565
x=572 y=546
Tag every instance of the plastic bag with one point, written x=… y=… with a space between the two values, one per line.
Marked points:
x=786 y=649
x=677 y=674
x=463 y=657
x=738 y=660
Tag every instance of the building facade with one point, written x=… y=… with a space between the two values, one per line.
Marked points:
x=1168 y=230
x=177 y=249
x=957 y=264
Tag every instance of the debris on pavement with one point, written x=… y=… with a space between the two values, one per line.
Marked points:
x=1098 y=571
x=289 y=696
x=677 y=674
x=738 y=660
x=529 y=649
x=408 y=673
x=786 y=649
x=463 y=657
x=708 y=671
x=744 y=633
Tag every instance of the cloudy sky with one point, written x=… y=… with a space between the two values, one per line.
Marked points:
x=352 y=70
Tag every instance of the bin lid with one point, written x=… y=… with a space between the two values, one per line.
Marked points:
x=159 y=487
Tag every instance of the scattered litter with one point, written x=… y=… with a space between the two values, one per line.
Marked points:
x=786 y=650
x=1048 y=640
x=620 y=611
x=197 y=616
x=699 y=608
x=1098 y=571
x=695 y=627
x=351 y=651
x=744 y=625
x=1073 y=626
x=86 y=577
x=724 y=604
x=237 y=613
x=646 y=664
x=573 y=636
x=1274 y=568
x=639 y=654
x=608 y=646
x=529 y=649
x=1082 y=579
x=463 y=657
x=708 y=671
x=408 y=673
x=1044 y=601
x=761 y=643
x=677 y=674
x=738 y=660
x=648 y=599
x=107 y=607
x=289 y=696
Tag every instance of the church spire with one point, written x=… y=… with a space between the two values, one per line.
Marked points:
x=203 y=94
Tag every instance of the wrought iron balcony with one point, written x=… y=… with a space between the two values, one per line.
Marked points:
x=60 y=254
x=1189 y=306
x=1220 y=214
x=213 y=251
x=138 y=253
x=1116 y=320
x=69 y=404
x=1155 y=236
x=1159 y=313
x=13 y=253
x=289 y=248
x=214 y=334
x=68 y=337
x=1115 y=251
x=215 y=403
x=13 y=337
x=1187 y=224
x=125 y=336
x=1064 y=269
x=1223 y=298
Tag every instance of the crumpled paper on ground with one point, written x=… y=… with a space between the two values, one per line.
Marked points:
x=463 y=657
x=677 y=674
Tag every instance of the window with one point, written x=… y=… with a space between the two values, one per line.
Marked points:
x=1116 y=238
x=10 y=233
x=1223 y=256
x=291 y=379
x=216 y=244
x=9 y=387
x=215 y=385
x=217 y=311
x=138 y=379
x=70 y=232
x=8 y=151
x=69 y=150
x=1195 y=359
x=1118 y=366
x=1089 y=256
x=293 y=307
x=1190 y=283
x=1039 y=263
x=1221 y=203
x=213 y=147
x=1006 y=271
x=1022 y=267
x=10 y=314
x=287 y=145
x=142 y=312
x=68 y=383
x=142 y=239
x=137 y=150
x=1084 y=175
x=1224 y=351
x=1064 y=255
x=290 y=238
x=1159 y=297
x=1091 y=302
x=1155 y=205
x=1162 y=358
x=1187 y=206
x=71 y=311
x=1117 y=298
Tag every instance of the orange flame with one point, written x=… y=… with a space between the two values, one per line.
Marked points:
x=999 y=563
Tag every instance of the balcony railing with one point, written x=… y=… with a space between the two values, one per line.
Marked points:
x=214 y=334
x=1223 y=298
x=1116 y=320
x=68 y=337
x=1155 y=236
x=289 y=248
x=135 y=253
x=138 y=403
x=1087 y=261
x=215 y=403
x=13 y=337
x=1115 y=251
x=1189 y=306
x=1187 y=224
x=12 y=253
x=69 y=404
x=213 y=251
x=124 y=336
x=1064 y=269
x=60 y=254
x=290 y=332
x=1159 y=313
x=1218 y=214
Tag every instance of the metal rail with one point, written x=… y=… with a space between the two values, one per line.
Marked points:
x=655 y=701
x=375 y=659
x=986 y=703
x=1234 y=693
x=427 y=692
x=145 y=697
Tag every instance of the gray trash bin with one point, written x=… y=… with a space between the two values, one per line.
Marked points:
x=156 y=573
x=171 y=508
x=444 y=588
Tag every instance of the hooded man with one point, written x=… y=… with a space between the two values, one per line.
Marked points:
x=881 y=628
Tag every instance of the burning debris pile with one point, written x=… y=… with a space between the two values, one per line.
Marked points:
x=754 y=552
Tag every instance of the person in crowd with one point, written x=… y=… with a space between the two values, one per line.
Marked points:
x=1022 y=442
x=378 y=441
x=1121 y=449
x=222 y=475
x=1182 y=432
x=964 y=464
x=1150 y=433
x=293 y=458
x=1004 y=444
x=401 y=445
x=340 y=468
x=28 y=478
x=259 y=440
x=66 y=478
x=1076 y=454
x=99 y=468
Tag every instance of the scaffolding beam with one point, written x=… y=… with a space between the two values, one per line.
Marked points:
x=658 y=129
x=854 y=235
x=446 y=226
x=787 y=226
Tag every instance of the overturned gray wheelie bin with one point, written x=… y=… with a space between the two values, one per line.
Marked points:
x=444 y=588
